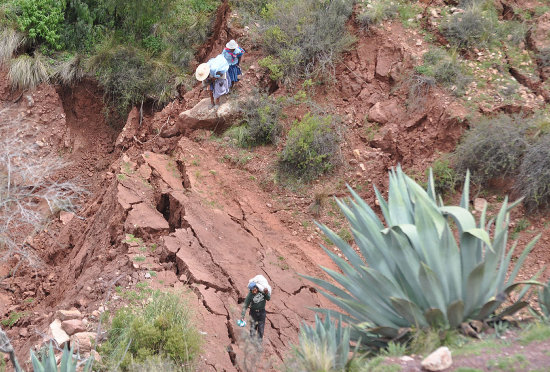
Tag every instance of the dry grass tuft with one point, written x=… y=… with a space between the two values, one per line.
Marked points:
x=27 y=72
x=10 y=41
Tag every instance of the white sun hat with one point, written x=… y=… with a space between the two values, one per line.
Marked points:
x=232 y=45
x=202 y=72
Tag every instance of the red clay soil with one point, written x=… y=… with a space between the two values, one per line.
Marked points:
x=216 y=223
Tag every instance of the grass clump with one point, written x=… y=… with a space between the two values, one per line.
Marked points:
x=153 y=332
x=533 y=180
x=260 y=123
x=473 y=28
x=492 y=148
x=377 y=11
x=311 y=149
x=10 y=41
x=302 y=38
x=446 y=68
x=28 y=72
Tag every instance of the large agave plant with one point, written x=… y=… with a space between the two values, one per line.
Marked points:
x=68 y=363
x=411 y=271
x=324 y=347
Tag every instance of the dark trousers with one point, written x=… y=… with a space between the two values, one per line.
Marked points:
x=258 y=323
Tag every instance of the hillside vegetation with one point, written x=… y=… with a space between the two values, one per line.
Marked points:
x=138 y=50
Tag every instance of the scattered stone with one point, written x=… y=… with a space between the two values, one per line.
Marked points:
x=479 y=204
x=65 y=217
x=68 y=314
x=24 y=332
x=353 y=162
x=58 y=334
x=357 y=154
x=362 y=166
x=73 y=326
x=96 y=313
x=434 y=13
x=83 y=341
x=269 y=205
x=147 y=275
x=406 y=358
x=439 y=360
x=419 y=42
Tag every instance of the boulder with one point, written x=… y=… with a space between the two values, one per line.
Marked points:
x=203 y=116
x=479 y=204
x=68 y=314
x=144 y=217
x=439 y=360
x=83 y=341
x=377 y=114
x=539 y=36
x=130 y=129
x=73 y=326
x=58 y=334
x=65 y=217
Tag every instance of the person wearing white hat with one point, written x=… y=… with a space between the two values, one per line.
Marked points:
x=213 y=75
x=233 y=54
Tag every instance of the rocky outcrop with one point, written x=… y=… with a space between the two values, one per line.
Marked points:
x=203 y=116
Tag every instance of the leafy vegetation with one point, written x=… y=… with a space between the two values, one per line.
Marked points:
x=311 y=149
x=492 y=148
x=302 y=38
x=160 y=328
x=533 y=180
x=138 y=49
x=260 y=123
x=412 y=272
x=446 y=68
x=445 y=177
x=377 y=11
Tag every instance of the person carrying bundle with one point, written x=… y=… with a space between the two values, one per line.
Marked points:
x=259 y=293
x=233 y=54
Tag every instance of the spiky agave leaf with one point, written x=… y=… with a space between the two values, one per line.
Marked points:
x=411 y=270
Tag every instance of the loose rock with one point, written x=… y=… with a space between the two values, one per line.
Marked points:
x=439 y=360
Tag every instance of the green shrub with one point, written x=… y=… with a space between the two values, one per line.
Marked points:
x=27 y=72
x=492 y=148
x=129 y=76
x=427 y=266
x=476 y=27
x=311 y=148
x=377 y=11
x=533 y=180
x=42 y=20
x=447 y=69
x=445 y=177
x=303 y=38
x=325 y=347
x=161 y=328
x=260 y=123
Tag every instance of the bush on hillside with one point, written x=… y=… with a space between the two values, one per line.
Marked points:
x=473 y=28
x=304 y=38
x=447 y=69
x=533 y=180
x=42 y=20
x=148 y=333
x=128 y=76
x=492 y=148
x=260 y=123
x=377 y=11
x=423 y=266
x=312 y=148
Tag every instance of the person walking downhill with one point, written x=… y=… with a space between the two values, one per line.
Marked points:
x=233 y=54
x=256 y=299
x=213 y=75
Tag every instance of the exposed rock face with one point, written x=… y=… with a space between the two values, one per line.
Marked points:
x=203 y=116
x=146 y=218
x=439 y=360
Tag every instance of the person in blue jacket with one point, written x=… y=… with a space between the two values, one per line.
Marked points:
x=233 y=54
x=214 y=77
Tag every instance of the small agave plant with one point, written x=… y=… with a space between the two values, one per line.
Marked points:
x=324 y=347
x=414 y=270
x=68 y=363
x=544 y=301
